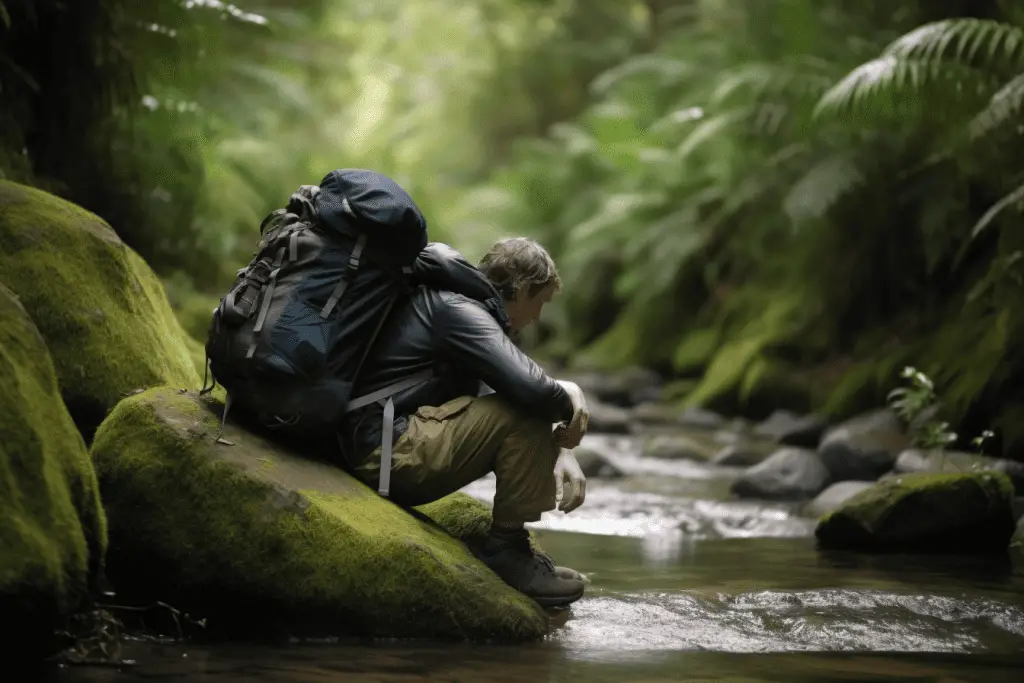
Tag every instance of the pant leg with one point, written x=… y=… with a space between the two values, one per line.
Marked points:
x=447 y=447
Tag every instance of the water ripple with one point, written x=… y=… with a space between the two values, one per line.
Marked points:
x=768 y=621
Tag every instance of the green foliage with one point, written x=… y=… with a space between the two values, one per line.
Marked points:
x=913 y=403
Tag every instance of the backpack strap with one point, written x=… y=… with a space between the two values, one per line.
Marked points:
x=268 y=294
x=384 y=396
x=353 y=266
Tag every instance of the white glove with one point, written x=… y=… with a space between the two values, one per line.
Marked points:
x=569 y=475
x=569 y=436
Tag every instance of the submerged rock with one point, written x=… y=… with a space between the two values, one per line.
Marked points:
x=52 y=526
x=100 y=308
x=788 y=474
x=834 y=496
x=925 y=513
x=865 y=447
x=741 y=454
x=956 y=461
x=596 y=465
x=258 y=539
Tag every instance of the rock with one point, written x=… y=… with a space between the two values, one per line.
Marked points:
x=596 y=464
x=100 y=308
x=262 y=541
x=608 y=419
x=623 y=388
x=52 y=525
x=863 y=448
x=834 y=496
x=702 y=419
x=788 y=474
x=925 y=513
x=955 y=461
x=739 y=455
x=791 y=429
x=677 y=447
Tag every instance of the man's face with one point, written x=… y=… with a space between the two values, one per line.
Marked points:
x=526 y=309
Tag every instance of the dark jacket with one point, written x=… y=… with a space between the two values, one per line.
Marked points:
x=454 y=323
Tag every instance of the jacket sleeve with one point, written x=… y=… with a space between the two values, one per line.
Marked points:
x=469 y=338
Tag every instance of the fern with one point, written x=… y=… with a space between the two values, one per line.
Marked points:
x=1014 y=199
x=1005 y=108
x=895 y=86
x=821 y=188
x=979 y=43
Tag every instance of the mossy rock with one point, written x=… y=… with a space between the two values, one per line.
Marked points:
x=100 y=308
x=52 y=526
x=925 y=513
x=261 y=541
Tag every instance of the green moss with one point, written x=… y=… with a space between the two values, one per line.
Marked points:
x=298 y=545
x=925 y=512
x=53 y=530
x=100 y=308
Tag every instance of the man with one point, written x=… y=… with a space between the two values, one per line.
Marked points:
x=459 y=322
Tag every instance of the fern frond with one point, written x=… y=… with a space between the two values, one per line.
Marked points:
x=707 y=130
x=668 y=71
x=893 y=85
x=822 y=187
x=1012 y=199
x=758 y=81
x=1005 y=107
x=5 y=17
x=980 y=43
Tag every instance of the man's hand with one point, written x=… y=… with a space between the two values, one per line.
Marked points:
x=568 y=475
x=569 y=436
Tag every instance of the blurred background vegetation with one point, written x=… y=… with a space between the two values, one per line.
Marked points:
x=775 y=203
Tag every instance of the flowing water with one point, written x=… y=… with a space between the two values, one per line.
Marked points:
x=685 y=585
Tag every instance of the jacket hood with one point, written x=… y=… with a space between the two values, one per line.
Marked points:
x=438 y=266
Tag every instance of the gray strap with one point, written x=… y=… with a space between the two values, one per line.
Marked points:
x=390 y=390
x=267 y=296
x=293 y=247
x=353 y=265
x=387 y=434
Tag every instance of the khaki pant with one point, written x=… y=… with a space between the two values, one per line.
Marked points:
x=447 y=447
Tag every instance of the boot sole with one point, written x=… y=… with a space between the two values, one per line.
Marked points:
x=560 y=601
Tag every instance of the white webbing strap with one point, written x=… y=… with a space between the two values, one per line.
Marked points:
x=388 y=425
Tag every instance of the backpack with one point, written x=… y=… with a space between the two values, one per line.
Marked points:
x=289 y=338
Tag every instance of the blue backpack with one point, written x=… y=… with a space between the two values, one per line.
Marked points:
x=289 y=338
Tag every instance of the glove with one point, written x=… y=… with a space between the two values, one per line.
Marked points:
x=568 y=475
x=570 y=435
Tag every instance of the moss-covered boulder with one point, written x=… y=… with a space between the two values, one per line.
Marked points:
x=925 y=513
x=261 y=540
x=52 y=527
x=100 y=308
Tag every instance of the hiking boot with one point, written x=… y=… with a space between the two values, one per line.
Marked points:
x=534 y=574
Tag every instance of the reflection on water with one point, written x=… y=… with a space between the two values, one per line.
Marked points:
x=685 y=585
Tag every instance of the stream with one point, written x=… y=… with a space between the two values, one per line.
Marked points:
x=686 y=584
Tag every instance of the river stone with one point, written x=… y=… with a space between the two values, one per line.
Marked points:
x=863 y=448
x=596 y=464
x=677 y=447
x=791 y=429
x=788 y=474
x=608 y=419
x=925 y=513
x=956 y=461
x=263 y=541
x=834 y=496
x=100 y=308
x=52 y=525
x=739 y=454
x=623 y=388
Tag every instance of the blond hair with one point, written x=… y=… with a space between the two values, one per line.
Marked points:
x=515 y=262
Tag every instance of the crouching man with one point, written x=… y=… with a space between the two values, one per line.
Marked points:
x=457 y=327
